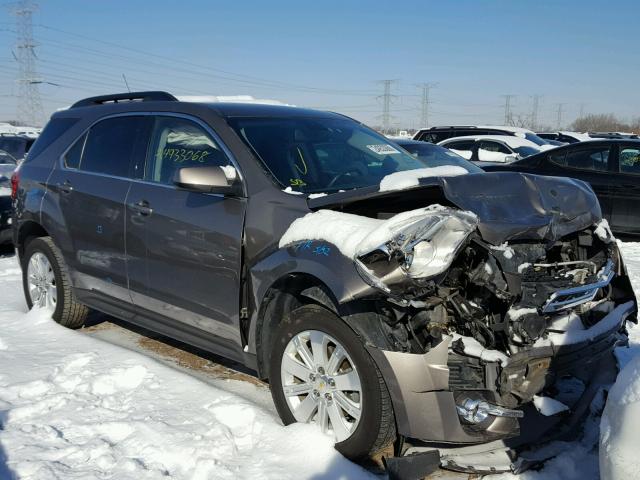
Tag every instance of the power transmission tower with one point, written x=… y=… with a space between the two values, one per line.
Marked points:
x=534 y=111
x=424 y=105
x=559 y=106
x=582 y=105
x=29 y=103
x=508 y=120
x=387 y=97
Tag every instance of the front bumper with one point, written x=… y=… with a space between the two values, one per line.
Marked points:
x=425 y=407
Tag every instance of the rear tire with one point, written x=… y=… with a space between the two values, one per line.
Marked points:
x=66 y=310
x=375 y=427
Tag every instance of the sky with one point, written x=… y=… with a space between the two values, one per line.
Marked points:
x=332 y=55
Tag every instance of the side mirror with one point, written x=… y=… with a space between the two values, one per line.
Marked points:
x=221 y=180
x=511 y=158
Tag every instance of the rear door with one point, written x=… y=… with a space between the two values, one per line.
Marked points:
x=625 y=188
x=185 y=248
x=92 y=186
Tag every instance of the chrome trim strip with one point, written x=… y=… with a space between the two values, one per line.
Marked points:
x=581 y=294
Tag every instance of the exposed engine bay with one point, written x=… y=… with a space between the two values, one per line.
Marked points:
x=508 y=309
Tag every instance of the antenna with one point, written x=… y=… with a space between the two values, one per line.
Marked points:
x=30 y=110
x=126 y=83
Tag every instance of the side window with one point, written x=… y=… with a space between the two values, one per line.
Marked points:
x=494 y=147
x=54 y=129
x=588 y=159
x=630 y=160
x=461 y=145
x=74 y=154
x=176 y=143
x=559 y=158
x=111 y=145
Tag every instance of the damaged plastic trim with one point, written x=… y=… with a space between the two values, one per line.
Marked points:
x=572 y=297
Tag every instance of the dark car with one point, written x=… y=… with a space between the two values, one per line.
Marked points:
x=16 y=145
x=438 y=134
x=611 y=167
x=435 y=155
x=379 y=294
x=7 y=166
x=561 y=138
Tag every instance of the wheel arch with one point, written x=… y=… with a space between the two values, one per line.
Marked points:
x=26 y=231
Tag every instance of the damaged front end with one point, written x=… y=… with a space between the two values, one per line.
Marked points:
x=478 y=335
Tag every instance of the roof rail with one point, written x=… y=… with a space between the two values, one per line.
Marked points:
x=127 y=97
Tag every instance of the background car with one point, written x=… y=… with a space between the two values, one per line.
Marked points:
x=438 y=134
x=491 y=148
x=613 y=135
x=436 y=156
x=16 y=145
x=611 y=167
x=7 y=166
x=564 y=137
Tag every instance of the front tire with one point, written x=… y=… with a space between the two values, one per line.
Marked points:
x=45 y=281
x=321 y=373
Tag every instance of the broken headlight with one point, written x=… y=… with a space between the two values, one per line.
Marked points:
x=413 y=248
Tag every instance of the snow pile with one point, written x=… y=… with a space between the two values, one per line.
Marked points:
x=576 y=333
x=474 y=348
x=603 y=231
x=72 y=406
x=352 y=233
x=620 y=425
x=411 y=178
x=548 y=406
x=506 y=250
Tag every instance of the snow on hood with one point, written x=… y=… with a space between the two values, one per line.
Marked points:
x=348 y=232
x=411 y=178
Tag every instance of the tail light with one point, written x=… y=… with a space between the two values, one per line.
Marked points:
x=15 y=181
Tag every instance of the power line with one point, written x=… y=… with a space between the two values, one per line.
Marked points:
x=424 y=104
x=559 y=112
x=534 y=111
x=386 y=104
x=30 y=109
x=508 y=120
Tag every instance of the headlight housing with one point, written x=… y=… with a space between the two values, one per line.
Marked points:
x=413 y=247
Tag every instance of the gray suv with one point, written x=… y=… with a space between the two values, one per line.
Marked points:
x=389 y=298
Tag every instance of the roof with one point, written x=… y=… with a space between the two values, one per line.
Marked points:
x=505 y=128
x=230 y=106
x=512 y=141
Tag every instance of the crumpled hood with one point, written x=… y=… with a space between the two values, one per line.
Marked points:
x=520 y=206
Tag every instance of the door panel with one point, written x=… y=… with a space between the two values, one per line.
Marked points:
x=92 y=186
x=184 y=248
x=192 y=246
x=625 y=190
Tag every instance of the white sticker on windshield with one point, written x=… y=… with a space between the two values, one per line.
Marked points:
x=383 y=149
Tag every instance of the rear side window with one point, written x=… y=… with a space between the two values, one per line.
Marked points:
x=630 y=160
x=595 y=158
x=176 y=143
x=54 y=129
x=494 y=147
x=111 y=145
x=73 y=156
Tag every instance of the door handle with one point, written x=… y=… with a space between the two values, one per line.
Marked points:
x=141 y=208
x=65 y=187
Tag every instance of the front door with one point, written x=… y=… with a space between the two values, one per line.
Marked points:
x=625 y=190
x=184 y=247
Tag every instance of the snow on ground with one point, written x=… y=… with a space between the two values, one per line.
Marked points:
x=73 y=406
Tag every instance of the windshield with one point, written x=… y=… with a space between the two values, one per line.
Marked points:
x=436 y=156
x=525 y=151
x=535 y=139
x=316 y=154
x=5 y=158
